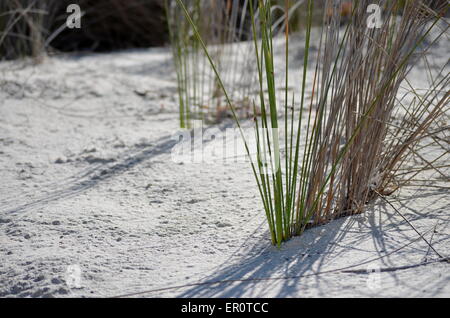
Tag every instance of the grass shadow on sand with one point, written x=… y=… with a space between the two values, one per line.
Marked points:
x=327 y=249
x=101 y=170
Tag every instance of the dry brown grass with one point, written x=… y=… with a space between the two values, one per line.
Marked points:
x=22 y=28
x=359 y=148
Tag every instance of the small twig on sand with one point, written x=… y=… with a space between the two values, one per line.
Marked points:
x=431 y=239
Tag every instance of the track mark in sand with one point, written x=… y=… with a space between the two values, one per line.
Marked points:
x=100 y=173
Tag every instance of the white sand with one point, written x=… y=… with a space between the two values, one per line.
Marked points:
x=87 y=182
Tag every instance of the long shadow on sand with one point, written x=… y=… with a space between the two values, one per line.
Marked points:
x=296 y=258
x=100 y=172
x=311 y=254
x=91 y=177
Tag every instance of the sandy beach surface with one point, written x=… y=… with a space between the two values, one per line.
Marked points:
x=92 y=203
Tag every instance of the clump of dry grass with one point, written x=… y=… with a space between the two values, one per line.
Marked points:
x=22 y=28
x=31 y=27
x=359 y=148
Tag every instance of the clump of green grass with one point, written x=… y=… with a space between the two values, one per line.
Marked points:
x=225 y=28
x=349 y=137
